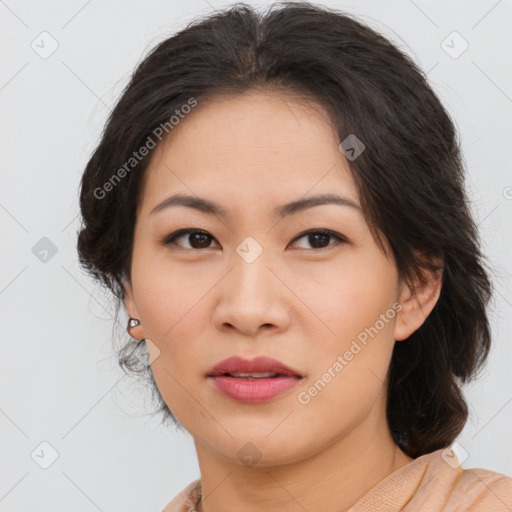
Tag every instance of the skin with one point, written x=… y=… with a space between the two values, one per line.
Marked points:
x=299 y=303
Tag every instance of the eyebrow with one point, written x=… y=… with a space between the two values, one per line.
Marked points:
x=211 y=208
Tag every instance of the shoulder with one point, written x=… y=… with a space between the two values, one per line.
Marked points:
x=447 y=487
x=436 y=482
x=186 y=499
x=481 y=489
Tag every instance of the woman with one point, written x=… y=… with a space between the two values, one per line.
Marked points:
x=278 y=203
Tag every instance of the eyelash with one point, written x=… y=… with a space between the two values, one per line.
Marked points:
x=173 y=236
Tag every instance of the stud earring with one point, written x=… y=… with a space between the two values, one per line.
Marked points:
x=134 y=326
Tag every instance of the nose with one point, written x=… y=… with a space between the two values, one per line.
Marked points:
x=251 y=298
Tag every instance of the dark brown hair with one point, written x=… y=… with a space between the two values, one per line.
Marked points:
x=410 y=180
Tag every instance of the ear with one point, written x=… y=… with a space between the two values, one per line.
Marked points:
x=418 y=300
x=131 y=310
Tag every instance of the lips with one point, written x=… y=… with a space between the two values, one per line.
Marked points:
x=253 y=381
x=257 y=368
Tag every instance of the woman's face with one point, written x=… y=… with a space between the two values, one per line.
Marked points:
x=256 y=285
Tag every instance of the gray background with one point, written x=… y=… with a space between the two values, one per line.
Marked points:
x=59 y=380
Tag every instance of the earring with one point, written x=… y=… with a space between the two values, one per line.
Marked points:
x=134 y=323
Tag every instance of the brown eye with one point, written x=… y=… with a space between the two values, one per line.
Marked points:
x=319 y=239
x=196 y=239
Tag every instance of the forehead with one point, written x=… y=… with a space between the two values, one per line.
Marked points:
x=259 y=146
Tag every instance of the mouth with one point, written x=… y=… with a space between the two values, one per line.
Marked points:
x=253 y=381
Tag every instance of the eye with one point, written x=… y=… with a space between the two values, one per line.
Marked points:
x=319 y=238
x=199 y=239
x=196 y=238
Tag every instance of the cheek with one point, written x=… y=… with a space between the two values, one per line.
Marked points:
x=350 y=369
x=347 y=400
x=177 y=331
x=353 y=354
x=169 y=310
x=349 y=294
x=163 y=295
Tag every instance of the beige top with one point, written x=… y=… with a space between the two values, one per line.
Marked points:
x=431 y=483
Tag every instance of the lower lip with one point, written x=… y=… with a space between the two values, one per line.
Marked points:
x=255 y=390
